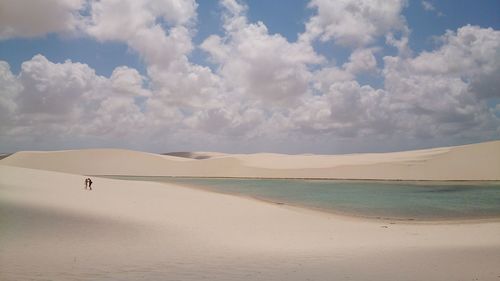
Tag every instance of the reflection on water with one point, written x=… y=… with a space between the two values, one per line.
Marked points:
x=404 y=200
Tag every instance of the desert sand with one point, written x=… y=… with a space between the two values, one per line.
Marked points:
x=54 y=229
x=468 y=162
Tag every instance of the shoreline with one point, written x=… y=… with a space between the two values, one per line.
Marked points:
x=346 y=215
x=323 y=211
x=298 y=178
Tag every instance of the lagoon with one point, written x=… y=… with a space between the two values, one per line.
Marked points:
x=397 y=200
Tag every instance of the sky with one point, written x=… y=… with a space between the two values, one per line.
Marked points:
x=302 y=76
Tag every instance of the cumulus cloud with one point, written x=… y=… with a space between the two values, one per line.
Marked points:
x=138 y=23
x=59 y=100
x=354 y=22
x=262 y=88
x=347 y=109
x=438 y=89
x=9 y=89
x=128 y=81
x=232 y=121
x=361 y=60
x=255 y=63
x=433 y=94
x=164 y=47
x=37 y=18
x=472 y=53
x=160 y=31
x=51 y=89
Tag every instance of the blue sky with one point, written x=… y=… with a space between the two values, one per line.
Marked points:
x=343 y=61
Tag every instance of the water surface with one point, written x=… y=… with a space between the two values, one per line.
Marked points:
x=405 y=200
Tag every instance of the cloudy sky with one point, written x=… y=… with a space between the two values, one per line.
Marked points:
x=317 y=76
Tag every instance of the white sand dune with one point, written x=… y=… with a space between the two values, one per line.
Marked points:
x=53 y=229
x=468 y=162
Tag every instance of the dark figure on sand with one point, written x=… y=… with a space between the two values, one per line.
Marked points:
x=88 y=183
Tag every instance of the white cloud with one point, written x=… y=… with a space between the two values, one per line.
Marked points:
x=428 y=6
x=128 y=81
x=264 y=89
x=55 y=89
x=227 y=121
x=254 y=63
x=161 y=32
x=37 y=18
x=346 y=109
x=401 y=43
x=174 y=11
x=354 y=22
x=122 y=19
x=471 y=54
x=361 y=60
x=326 y=76
x=61 y=100
x=114 y=117
x=432 y=95
x=437 y=90
x=138 y=23
x=9 y=89
x=185 y=85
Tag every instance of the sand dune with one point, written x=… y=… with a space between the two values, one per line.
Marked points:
x=4 y=155
x=53 y=229
x=468 y=162
x=196 y=155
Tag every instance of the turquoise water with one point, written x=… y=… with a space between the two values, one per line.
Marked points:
x=377 y=199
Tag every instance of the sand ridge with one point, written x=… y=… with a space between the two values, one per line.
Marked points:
x=468 y=162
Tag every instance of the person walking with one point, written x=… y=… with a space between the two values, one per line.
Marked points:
x=90 y=184
x=86 y=182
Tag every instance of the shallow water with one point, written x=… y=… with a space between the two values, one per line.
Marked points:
x=403 y=200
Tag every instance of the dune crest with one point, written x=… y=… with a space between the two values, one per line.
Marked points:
x=468 y=162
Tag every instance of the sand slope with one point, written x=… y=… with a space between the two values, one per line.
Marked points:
x=53 y=229
x=468 y=162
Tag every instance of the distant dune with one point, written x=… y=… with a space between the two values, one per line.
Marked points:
x=195 y=155
x=4 y=155
x=468 y=162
